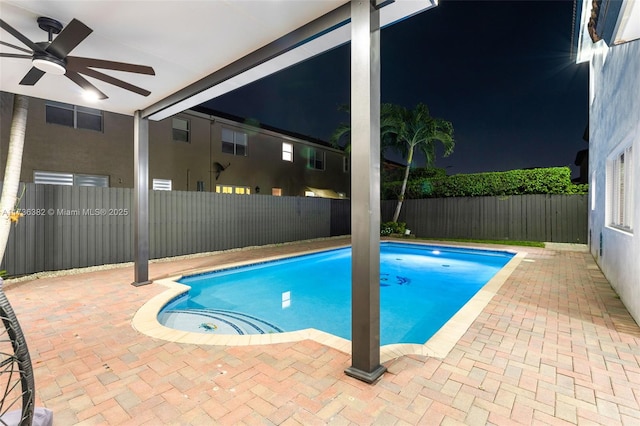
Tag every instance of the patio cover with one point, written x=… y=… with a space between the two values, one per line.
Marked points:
x=198 y=49
x=203 y=49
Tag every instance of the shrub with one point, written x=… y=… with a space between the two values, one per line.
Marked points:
x=388 y=228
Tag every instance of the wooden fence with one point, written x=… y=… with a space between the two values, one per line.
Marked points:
x=70 y=227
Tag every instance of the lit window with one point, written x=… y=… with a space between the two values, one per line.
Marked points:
x=162 y=184
x=181 y=130
x=309 y=194
x=74 y=116
x=276 y=192
x=233 y=189
x=287 y=151
x=316 y=159
x=234 y=142
x=620 y=189
x=68 y=179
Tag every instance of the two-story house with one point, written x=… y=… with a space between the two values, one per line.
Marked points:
x=196 y=150
x=608 y=38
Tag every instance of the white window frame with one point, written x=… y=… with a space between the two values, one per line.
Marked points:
x=287 y=151
x=181 y=129
x=162 y=184
x=592 y=189
x=75 y=110
x=91 y=180
x=619 y=184
x=237 y=138
x=315 y=156
x=41 y=177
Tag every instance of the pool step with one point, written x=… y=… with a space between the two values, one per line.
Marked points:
x=216 y=321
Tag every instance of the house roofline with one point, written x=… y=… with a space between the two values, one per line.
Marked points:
x=243 y=120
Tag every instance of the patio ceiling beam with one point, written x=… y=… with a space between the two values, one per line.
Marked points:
x=314 y=29
x=365 y=202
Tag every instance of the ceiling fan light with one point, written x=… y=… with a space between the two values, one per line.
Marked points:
x=91 y=95
x=49 y=65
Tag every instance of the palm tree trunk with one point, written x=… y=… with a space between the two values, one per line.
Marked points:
x=396 y=215
x=13 y=167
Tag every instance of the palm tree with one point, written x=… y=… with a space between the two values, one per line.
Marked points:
x=13 y=167
x=411 y=129
x=405 y=130
x=343 y=131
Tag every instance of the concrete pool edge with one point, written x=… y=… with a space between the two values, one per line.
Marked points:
x=145 y=320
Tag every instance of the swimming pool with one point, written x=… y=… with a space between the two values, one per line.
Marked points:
x=421 y=287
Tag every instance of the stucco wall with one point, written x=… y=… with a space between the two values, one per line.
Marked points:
x=56 y=148
x=615 y=123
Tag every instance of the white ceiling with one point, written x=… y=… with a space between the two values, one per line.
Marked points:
x=184 y=41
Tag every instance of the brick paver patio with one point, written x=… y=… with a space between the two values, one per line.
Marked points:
x=554 y=346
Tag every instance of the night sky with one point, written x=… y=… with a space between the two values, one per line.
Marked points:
x=500 y=71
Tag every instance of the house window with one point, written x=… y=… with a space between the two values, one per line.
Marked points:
x=234 y=142
x=620 y=189
x=74 y=116
x=91 y=180
x=161 y=184
x=233 y=189
x=181 y=130
x=592 y=189
x=69 y=179
x=346 y=164
x=316 y=159
x=287 y=151
x=276 y=192
x=309 y=194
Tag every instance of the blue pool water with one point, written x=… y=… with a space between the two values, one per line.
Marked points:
x=421 y=288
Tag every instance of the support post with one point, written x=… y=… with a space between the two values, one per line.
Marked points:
x=365 y=194
x=141 y=199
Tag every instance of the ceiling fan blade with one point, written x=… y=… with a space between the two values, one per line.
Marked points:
x=13 y=46
x=32 y=77
x=8 y=28
x=70 y=36
x=14 y=55
x=78 y=62
x=82 y=82
x=115 y=81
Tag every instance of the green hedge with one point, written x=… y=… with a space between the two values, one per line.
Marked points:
x=553 y=180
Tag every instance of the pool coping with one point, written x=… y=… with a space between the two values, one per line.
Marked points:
x=438 y=346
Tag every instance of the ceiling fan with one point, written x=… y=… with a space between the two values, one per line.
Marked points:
x=52 y=57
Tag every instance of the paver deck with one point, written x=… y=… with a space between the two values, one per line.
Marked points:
x=554 y=346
